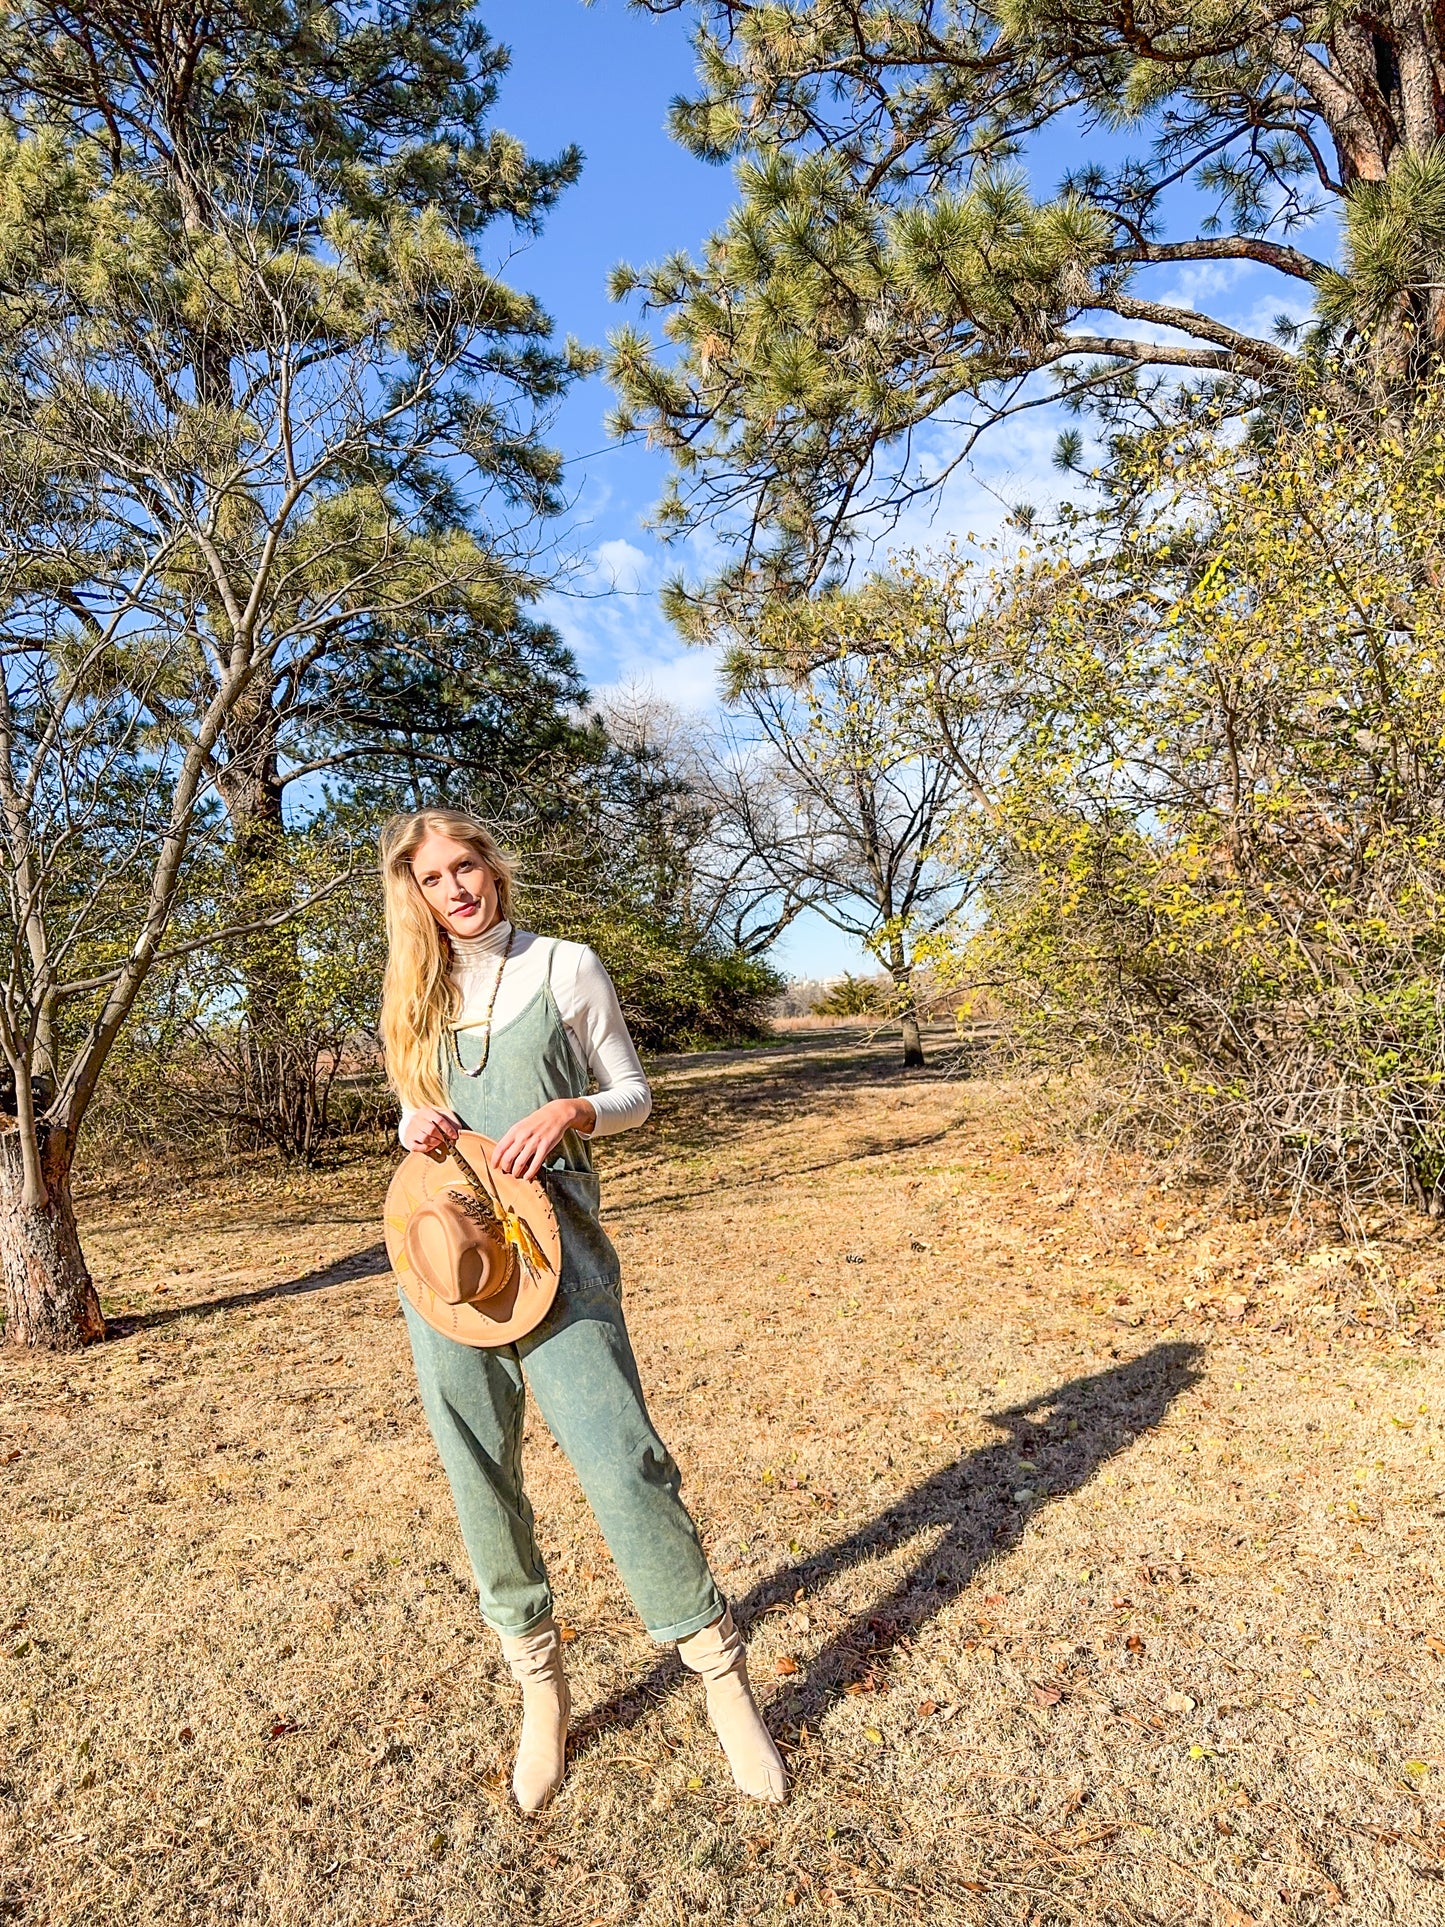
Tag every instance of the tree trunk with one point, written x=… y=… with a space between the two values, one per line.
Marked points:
x=277 y=1095
x=912 y=1041
x=902 y=975
x=50 y=1301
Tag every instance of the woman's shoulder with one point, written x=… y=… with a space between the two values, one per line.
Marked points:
x=566 y=956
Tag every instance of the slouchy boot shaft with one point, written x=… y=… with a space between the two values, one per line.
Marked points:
x=535 y=1662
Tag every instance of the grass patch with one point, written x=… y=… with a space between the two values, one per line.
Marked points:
x=1089 y=1577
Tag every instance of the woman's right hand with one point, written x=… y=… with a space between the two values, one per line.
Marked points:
x=429 y=1130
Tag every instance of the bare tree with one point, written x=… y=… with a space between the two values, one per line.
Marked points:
x=699 y=814
x=849 y=809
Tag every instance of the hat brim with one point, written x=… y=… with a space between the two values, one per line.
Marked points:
x=524 y=1302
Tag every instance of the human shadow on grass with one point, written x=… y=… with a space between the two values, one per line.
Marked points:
x=371 y=1263
x=970 y=1513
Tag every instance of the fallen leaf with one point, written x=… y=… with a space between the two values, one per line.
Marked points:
x=567 y=1634
x=280 y=1728
x=1178 y=1703
x=872 y=1733
x=1134 y=1643
x=787 y=1664
x=1435 y=1645
x=927 y=1709
x=1048 y=1695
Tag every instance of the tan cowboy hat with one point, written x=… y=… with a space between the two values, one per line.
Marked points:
x=477 y=1253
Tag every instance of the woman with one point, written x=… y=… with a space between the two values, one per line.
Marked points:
x=498 y=1031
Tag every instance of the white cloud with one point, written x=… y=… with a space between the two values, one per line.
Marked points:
x=612 y=622
x=686 y=680
x=620 y=565
x=1010 y=464
x=1198 y=285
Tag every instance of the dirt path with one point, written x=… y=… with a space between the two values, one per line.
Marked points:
x=1092 y=1550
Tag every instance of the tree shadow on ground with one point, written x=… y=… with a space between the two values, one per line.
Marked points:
x=777 y=1091
x=371 y=1263
x=748 y=1178
x=826 y=1055
x=969 y=1512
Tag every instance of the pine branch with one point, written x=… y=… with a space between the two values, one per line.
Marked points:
x=1228 y=247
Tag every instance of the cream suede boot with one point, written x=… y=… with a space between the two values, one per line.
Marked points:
x=535 y=1661
x=717 y=1656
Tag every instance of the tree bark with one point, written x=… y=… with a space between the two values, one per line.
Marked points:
x=902 y=975
x=277 y=1097
x=912 y=1041
x=50 y=1300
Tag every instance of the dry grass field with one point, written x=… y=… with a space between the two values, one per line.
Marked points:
x=1090 y=1540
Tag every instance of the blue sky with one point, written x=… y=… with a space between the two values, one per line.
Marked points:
x=603 y=76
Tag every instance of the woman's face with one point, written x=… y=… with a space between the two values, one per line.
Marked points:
x=460 y=890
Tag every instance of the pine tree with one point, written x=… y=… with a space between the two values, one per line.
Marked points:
x=272 y=431
x=889 y=266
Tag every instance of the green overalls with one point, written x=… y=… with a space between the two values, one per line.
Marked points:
x=580 y=1367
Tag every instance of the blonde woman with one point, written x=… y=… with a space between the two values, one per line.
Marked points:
x=496 y=1030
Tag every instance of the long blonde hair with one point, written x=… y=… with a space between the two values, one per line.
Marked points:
x=418 y=997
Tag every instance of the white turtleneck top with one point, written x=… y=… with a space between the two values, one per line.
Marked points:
x=586 y=1002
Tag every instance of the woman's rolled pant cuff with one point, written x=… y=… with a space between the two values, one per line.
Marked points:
x=523 y=1627
x=685 y=1628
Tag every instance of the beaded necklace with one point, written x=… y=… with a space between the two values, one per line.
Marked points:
x=483 y=1023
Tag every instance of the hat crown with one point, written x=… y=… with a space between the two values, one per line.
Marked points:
x=456 y=1247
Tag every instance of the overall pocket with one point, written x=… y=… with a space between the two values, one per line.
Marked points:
x=588 y=1254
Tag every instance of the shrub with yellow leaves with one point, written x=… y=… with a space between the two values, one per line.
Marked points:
x=1221 y=817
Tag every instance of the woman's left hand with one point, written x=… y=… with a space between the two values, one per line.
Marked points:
x=522 y=1151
